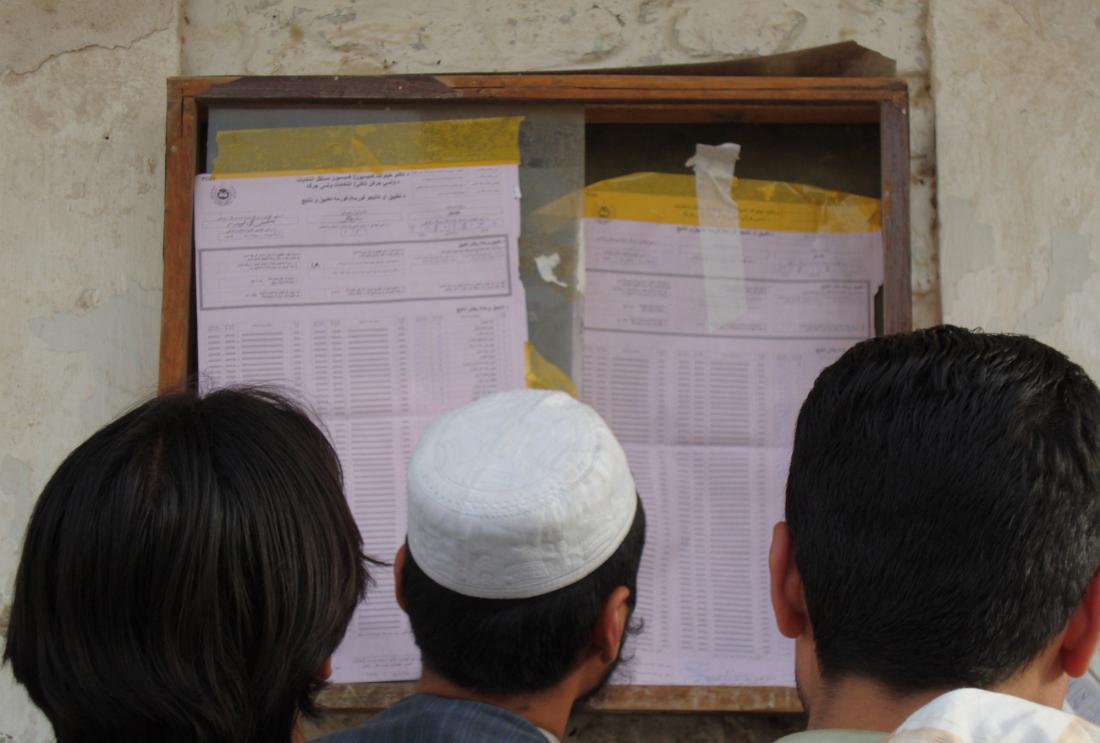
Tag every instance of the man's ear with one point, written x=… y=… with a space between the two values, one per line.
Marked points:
x=398 y=571
x=325 y=672
x=607 y=636
x=788 y=601
x=1082 y=631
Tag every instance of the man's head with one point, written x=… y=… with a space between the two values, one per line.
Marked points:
x=943 y=512
x=186 y=574
x=524 y=540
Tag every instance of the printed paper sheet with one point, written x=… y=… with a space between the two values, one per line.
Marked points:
x=381 y=298
x=699 y=366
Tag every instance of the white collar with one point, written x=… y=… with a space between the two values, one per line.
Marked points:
x=549 y=736
x=978 y=716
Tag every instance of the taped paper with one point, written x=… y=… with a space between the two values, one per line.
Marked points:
x=336 y=149
x=543 y=375
x=774 y=206
x=699 y=355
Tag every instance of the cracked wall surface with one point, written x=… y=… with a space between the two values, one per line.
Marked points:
x=409 y=36
x=34 y=31
x=82 y=112
x=1017 y=91
x=81 y=103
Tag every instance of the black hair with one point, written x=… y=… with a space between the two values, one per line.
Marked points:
x=185 y=574
x=513 y=646
x=944 y=506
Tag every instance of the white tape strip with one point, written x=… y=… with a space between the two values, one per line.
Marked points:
x=719 y=233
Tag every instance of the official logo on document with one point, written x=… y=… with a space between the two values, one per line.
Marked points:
x=222 y=195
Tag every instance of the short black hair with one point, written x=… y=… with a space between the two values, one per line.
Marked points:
x=185 y=574
x=513 y=646
x=944 y=506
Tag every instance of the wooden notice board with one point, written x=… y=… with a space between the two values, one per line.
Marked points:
x=846 y=133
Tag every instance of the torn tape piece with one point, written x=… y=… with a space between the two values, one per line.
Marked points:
x=543 y=374
x=546 y=265
x=719 y=234
x=397 y=146
x=775 y=206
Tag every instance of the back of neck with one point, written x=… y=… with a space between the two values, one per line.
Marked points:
x=856 y=703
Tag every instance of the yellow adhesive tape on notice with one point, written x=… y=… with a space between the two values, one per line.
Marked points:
x=543 y=375
x=763 y=205
x=336 y=149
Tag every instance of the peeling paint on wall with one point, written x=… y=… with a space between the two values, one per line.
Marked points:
x=99 y=332
x=961 y=228
x=1017 y=169
x=1071 y=268
x=496 y=35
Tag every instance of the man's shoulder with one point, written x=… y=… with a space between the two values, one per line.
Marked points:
x=834 y=736
x=423 y=718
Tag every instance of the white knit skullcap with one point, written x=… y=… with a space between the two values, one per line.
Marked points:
x=517 y=494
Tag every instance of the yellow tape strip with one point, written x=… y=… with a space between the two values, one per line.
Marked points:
x=763 y=205
x=543 y=375
x=398 y=146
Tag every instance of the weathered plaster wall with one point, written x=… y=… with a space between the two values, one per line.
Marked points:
x=81 y=108
x=1017 y=98
x=81 y=111
x=82 y=117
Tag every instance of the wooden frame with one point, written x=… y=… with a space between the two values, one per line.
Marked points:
x=618 y=98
